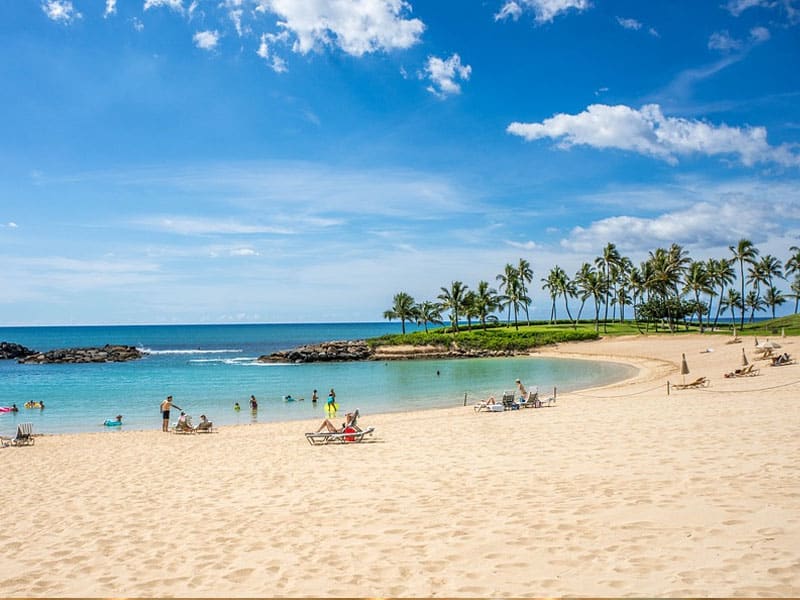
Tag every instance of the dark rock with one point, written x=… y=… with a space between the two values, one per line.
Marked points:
x=9 y=350
x=107 y=353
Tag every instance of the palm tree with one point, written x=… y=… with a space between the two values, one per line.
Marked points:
x=551 y=285
x=403 y=308
x=525 y=275
x=792 y=265
x=429 y=312
x=744 y=252
x=453 y=299
x=591 y=283
x=721 y=273
x=697 y=281
x=582 y=286
x=469 y=308
x=636 y=282
x=667 y=267
x=755 y=303
x=795 y=289
x=566 y=289
x=732 y=300
x=486 y=302
x=609 y=258
x=622 y=284
x=512 y=295
x=774 y=297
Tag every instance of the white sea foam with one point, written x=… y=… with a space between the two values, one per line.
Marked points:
x=244 y=360
x=194 y=351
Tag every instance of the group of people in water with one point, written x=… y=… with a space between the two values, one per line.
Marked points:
x=184 y=421
x=30 y=404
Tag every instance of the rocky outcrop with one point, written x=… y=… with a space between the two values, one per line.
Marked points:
x=339 y=351
x=11 y=351
x=107 y=353
x=359 y=350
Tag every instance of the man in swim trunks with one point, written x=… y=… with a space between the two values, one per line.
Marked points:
x=166 y=405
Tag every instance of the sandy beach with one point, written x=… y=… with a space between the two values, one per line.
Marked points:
x=616 y=491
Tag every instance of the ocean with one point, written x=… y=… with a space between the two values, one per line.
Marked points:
x=208 y=368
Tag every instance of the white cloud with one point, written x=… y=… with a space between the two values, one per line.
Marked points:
x=790 y=7
x=510 y=10
x=737 y=7
x=647 y=131
x=357 y=27
x=722 y=41
x=111 y=8
x=10 y=225
x=137 y=24
x=528 y=246
x=243 y=252
x=61 y=11
x=206 y=226
x=759 y=34
x=235 y=12
x=543 y=10
x=629 y=23
x=176 y=5
x=206 y=40
x=634 y=25
x=275 y=62
x=444 y=75
x=715 y=215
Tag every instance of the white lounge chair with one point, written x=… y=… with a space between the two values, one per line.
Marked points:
x=349 y=435
x=24 y=436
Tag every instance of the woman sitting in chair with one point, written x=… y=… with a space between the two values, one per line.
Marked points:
x=349 y=421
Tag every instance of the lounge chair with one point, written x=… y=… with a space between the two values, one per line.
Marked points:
x=531 y=400
x=349 y=435
x=184 y=426
x=509 y=401
x=781 y=360
x=24 y=436
x=697 y=383
x=204 y=427
x=487 y=406
x=748 y=371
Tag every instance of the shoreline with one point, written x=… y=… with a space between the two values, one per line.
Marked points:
x=617 y=490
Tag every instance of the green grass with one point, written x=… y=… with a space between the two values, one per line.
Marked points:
x=500 y=338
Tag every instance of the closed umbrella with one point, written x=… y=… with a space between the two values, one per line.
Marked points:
x=745 y=362
x=684 y=367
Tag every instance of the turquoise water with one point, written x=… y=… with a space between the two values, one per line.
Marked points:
x=206 y=368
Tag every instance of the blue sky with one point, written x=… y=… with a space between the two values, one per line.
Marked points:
x=303 y=160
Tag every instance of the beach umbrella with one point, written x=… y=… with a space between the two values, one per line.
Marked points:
x=745 y=362
x=756 y=339
x=769 y=344
x=684 y=367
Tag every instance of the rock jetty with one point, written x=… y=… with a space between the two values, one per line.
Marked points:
x=11 y=351
x=337 y=351
x=105 y=354
x=359 y=350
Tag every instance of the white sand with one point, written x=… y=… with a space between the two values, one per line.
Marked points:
x=619 y=491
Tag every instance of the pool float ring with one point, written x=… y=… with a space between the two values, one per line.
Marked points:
x=110 y=423
x=31 y=404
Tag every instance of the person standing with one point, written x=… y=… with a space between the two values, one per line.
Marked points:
x=166 y=406
x=523 y=393
x=314 y=397
x=253 y=403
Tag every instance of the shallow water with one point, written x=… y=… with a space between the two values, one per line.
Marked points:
x=207 y=368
